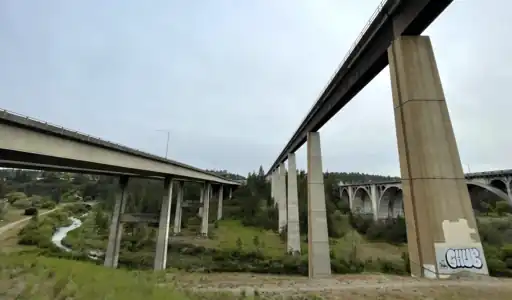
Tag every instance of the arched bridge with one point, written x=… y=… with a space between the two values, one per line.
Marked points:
x=384 y=199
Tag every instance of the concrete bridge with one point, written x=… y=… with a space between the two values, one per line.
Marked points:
x=33 y=144
x=441 y=226
x=385 y=199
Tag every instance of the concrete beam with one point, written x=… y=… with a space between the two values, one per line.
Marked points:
x=26 y=140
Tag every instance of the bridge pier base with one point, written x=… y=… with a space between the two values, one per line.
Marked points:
x=207 y=191
x=179 y=209
x=281 y=197
x=441 y=227
x=293 y=234
x=162 y=241
x=116 y=227
x=318 y=239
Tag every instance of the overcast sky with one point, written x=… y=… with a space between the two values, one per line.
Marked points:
x=232 y=80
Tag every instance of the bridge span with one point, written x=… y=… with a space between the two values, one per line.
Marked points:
x=430 y=164
x=32 y=144
x=385 y=199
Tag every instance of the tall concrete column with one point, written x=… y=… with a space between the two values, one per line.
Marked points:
x=230 y=193
x=273 y=185
x=179 y=210
x=318 y=239
x=351 y=197
x=206 y=208
x=219 y=206
x=281 y=197
x=201 y=201
x=162 y=240
x=116 y=227
x=375 y=196
x=293 y=239
x=441 y=227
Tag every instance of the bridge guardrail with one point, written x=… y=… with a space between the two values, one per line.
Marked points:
x=363 y=31
x=91 y=138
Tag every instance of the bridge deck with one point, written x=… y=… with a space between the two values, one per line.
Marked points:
x=29 y=143
x=366 y=59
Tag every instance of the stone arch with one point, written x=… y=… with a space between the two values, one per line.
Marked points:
x=499 y=184
x=362 y=202
x=344 y=195
x=474 y=199
x=391 y=202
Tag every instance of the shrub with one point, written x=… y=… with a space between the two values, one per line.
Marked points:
x=31 y=211
x=48 y=204
x=22 y=203
x=14 y=196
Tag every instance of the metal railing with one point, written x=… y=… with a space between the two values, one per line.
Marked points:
x=354 y=44
x=106 y=143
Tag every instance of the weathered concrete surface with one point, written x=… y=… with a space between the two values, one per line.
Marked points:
x=24 y=141
x=281 y=197
x=435 y=195
x=293 y=240
x=179 y=209
x=116 y=227
x=207 y=191
x=162 y=240
x=318 y=239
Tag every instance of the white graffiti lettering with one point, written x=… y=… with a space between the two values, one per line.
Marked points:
x=467 y=258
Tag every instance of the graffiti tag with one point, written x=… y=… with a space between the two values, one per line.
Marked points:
x=465 y=258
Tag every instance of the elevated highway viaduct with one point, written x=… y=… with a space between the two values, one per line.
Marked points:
x=31 y=144
x=441 y=230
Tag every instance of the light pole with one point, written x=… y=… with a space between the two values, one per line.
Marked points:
x=167 y=143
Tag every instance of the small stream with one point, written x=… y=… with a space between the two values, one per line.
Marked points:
x=61 y=233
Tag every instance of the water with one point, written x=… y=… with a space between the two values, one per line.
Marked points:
x=61 y=233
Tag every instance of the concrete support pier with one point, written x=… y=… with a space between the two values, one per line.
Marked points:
x=273 y=186
x=162 y=240
x=179 y=210
x=318 y=239
x=441 y=227
x=219 y=204
x=281 y=197
x=201 y=201
x=207 y=191
x=293 y=234
x=116 y=227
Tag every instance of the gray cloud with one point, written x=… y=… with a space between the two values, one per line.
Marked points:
x=232 y=80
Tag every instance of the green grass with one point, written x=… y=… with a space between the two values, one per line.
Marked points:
x=39 y=278
x=228 y=232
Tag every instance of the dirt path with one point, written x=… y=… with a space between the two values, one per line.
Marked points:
x=15 y=224
x=347 y=286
